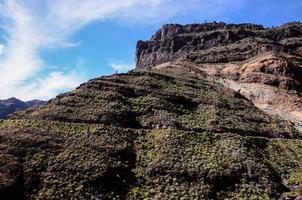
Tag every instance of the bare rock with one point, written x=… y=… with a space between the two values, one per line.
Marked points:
x=217 y=43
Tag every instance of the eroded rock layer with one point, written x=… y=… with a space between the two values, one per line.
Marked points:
x=217 y=43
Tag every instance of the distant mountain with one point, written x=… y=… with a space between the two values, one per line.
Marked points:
x=12 y=105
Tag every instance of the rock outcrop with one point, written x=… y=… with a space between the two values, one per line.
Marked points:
x=217 y=43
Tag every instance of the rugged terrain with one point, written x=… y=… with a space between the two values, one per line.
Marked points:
x=11 y=105
x=263 y=64
x=173 y=129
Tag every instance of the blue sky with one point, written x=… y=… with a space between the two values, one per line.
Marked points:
x=51 y=46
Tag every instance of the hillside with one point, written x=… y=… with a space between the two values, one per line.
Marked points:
x=176 y=129
x=11 y=105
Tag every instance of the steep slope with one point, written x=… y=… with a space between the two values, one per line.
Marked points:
x=11 y=105
x=263 y=64
x=170 y=97
x=164 y=133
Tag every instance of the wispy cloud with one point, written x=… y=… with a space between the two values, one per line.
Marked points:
x=121 y=66
x=45 y=87
x=1 y=48
x=35 y=25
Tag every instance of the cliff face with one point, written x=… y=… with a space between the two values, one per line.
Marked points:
x=217 y=43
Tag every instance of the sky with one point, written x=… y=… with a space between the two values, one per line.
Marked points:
x=51 y=46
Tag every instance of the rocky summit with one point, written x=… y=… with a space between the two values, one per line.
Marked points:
x=212 y=111
x=217 y=43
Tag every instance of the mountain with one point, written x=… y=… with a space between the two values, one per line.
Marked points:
x=264 y=64
x=11 y=105
x=173 y=128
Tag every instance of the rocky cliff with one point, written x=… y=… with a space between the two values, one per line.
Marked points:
x=179 y=130
x=263 y=64
x=217 y=43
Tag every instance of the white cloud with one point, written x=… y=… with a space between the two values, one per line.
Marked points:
x=121 y=67
x=35 y=25
x=1 y=49
x=46 y=87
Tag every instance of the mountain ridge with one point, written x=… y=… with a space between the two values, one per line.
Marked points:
x=174 y=41
x=11 y=105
